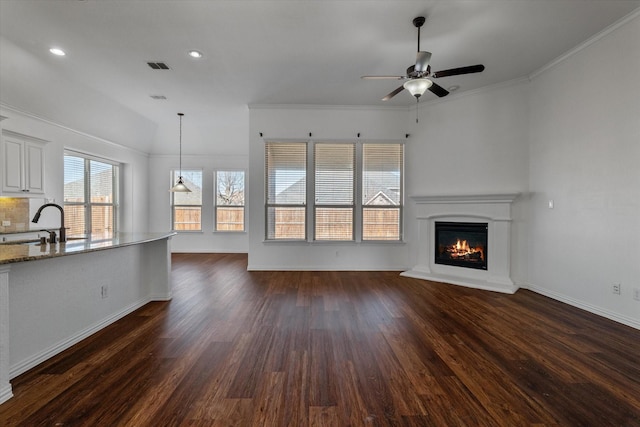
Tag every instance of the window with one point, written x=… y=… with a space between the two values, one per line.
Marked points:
x=334 y=191
x=357 y=191
x=90 y=196
x=286 y=190
x=186 y=208
x=382 y=167
x=229 y=201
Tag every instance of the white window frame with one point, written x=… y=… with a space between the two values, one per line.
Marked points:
x=271 y=204
x=174 y=173
x=317 y=205
x=87 y=204
x=216 y=205
x=359 y=206
x=399 y=206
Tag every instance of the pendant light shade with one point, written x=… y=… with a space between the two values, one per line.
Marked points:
x=417 y=87
x=180 y=187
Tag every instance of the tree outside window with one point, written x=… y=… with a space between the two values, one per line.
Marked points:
x=229 y=201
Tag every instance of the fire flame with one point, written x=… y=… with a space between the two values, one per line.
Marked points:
x=462 y=250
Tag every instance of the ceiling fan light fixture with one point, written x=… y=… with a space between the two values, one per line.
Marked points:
x=417 y=87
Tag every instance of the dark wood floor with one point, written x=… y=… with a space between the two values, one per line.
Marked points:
x=336 y=349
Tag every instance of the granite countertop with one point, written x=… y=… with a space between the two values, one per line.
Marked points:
x=8 y=233
x=20 y=252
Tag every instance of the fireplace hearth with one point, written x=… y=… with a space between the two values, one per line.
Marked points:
x=461 y=244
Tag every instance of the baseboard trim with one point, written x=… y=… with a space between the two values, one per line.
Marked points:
x=6 y=393
x=251 y=267
x=33 y=361
x=634 y=323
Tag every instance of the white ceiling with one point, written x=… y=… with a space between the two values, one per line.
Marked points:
x=263 y=52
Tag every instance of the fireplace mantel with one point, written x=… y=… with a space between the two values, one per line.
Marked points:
x=466 y=198
x=495 y=210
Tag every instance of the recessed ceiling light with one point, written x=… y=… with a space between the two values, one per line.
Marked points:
x=57 y=51
x=195 y=54
x=453 y=88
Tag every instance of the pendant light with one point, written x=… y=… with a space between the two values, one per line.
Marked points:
x=180 y=187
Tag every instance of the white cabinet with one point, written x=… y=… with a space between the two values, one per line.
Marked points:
x=23 y=160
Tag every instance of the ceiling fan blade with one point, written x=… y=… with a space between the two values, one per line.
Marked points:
x=383 y=77
x=422 y=61
x=438 y=90
x=394 y=93
x=457 y=71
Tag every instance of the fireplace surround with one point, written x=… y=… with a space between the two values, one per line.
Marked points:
x=492 y=210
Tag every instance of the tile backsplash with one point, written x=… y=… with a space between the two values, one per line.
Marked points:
x=15 y=213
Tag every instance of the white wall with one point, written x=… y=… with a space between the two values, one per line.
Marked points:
x=473 y=143
x=585 y=156
x=134 y=212
x=160 y=205
x=325 y=124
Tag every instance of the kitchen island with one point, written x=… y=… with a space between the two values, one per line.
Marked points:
x=54 y=295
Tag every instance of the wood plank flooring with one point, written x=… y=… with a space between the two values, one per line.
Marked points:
x=238 y=348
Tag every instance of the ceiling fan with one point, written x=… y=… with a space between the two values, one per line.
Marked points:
x=419 y=77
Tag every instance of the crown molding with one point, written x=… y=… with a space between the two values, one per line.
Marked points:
x=325 y=107
x=67 y=128
x=480 y=90
x=611 y=28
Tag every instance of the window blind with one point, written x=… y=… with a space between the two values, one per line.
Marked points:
x=382 y=181
x=74 y=191
x=73 y=179
x=90 y=196
x=286 y=190
x=101 y=182
x=334 y=167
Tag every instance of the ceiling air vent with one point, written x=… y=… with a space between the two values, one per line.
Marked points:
x=158 y=65
x=158 y=96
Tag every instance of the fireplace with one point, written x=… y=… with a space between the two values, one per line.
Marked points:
x=489 y=212
x=461 y=244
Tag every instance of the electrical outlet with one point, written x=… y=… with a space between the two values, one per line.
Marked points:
x=104 y=291
x=636 y=294
x=615 y=288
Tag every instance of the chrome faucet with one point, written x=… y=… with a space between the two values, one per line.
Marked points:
x=62 y=233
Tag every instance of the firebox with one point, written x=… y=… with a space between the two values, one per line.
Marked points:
x=461 y=244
